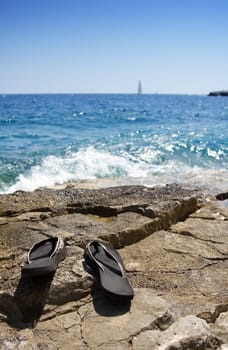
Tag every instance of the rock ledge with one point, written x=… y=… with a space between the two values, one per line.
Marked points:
x=173 y=242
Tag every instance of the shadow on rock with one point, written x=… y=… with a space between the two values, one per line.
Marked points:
x=108 y=305
x=24 y=309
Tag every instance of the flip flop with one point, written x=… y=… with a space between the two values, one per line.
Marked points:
x=44 y=257
x=106 y=265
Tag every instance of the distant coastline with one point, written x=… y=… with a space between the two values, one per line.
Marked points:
x=218 y=93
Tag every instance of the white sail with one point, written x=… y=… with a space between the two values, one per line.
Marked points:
x=139 y=91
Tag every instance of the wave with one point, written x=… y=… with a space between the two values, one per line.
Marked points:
x=92 y=164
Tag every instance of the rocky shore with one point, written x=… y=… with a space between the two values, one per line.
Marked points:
x=174 y=244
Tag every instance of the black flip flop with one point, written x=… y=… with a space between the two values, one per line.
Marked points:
x=106 y=265
x=44 y=257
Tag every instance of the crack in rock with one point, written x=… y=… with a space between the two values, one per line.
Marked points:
x=190 y=234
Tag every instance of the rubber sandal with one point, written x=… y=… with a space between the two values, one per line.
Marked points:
x=106 y=265
x=44 y=257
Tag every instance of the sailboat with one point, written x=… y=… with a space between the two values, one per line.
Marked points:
x=139 y=91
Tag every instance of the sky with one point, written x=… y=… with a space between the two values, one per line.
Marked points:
x=107 y=46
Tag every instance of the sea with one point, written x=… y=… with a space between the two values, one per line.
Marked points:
x=48 y=140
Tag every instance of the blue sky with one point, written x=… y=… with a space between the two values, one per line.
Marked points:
x=106 y=46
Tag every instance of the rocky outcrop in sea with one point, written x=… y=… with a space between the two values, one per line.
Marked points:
x=173 y=241
x=218 y=93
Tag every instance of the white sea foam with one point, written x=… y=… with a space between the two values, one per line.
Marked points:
x=91 y=164
x=214 y=154
x=85 y=164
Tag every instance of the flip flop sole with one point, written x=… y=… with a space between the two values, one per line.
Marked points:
x=43 y=265
x=106 y=266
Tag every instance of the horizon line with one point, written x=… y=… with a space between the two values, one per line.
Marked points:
x=101 y=93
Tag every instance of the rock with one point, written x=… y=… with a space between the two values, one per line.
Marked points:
x=174 y=244
x=188 y=332
x=222 y=196
x=218 y=93
x=121 y=321
x=221 y=325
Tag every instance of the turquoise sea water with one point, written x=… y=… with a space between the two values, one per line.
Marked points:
x=141 y=139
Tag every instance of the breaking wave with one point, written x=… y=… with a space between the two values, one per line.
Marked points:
x=92 y=164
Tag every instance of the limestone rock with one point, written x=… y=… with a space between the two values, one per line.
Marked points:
x=173 y=242
x=221 y=325
x=121 y=321
x=189 y=332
